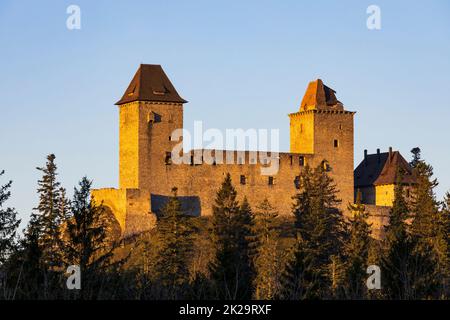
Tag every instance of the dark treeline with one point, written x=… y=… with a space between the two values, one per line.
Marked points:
x=244 y=251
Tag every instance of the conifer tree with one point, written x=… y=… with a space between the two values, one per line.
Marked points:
x=356 y=252
x=321 y=233
x=175 y=234
x=443 y=247
x=266 y=282
x=47 y=218
x=408 y=272
x=86 y=242
x=230 y=270
x=8 y=223
x=427 y=219
x=424 y=207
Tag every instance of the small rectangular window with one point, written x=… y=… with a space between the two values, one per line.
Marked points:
x=301 y=161
x=243 y=181
x=290 y=158
x=336 y=143
x=168 y=158
x=271 y=181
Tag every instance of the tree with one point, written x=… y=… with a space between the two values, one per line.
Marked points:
x=266 y=282
x=443 y=247
x=427 y=224
x=231 y=269
x=8 y=223
x=175 y=235
x=47 y=218
x=424 y=207
x=320 y=232
x=86 y=242
x=408 y=271
x=356 y=252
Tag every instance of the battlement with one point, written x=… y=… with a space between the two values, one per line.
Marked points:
x=150 y=164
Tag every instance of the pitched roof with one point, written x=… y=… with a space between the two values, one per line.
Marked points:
x=320 y=97
x=395 y=164
x=150 y=83
x=369 y=169
x=382 y=168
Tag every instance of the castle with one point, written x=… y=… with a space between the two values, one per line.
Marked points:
x=151 y=109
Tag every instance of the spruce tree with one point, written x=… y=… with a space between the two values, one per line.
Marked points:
x=86 y=242
x=231 y=271
x=47 y=217
x=175 y=235
x=320 y=232
x=443 y=247
x=427 y=219
x=356 y=251
x=8 y=223
x=408 y=271
x=266 y=282
x=424 y=207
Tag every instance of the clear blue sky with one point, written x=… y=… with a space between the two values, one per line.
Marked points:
x=241 y=64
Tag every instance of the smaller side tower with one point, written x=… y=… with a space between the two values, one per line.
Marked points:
x=323 y=128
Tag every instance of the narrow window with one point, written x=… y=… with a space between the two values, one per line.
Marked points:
x=242 y=179
x=301 y=161
x=297 y=182
x=336 y=143
x=271 y=181
x=168 y=158
x=170 y=138
x=301 y=127
x=192 y=160
x=340 y=127
x=290 y=157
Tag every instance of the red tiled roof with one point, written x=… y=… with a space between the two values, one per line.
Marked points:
x=150 y=83
x=383 y=168
x=394 y=166
x=319 y=96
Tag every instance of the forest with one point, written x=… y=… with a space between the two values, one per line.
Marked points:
x=243 y=251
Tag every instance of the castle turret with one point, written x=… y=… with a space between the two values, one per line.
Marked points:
x=323 y=127
x=150 y=110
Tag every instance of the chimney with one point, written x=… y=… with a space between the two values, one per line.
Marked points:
x=378 y=155
x=390 y=154
x=365 y=157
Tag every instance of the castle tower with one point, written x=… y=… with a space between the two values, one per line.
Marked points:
x=150 y=110
x=323 y=127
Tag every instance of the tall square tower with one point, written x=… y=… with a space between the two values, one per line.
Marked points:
x=323 y=128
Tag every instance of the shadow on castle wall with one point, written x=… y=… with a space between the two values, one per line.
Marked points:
x=190 y=205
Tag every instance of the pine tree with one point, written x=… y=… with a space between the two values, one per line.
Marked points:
x=8 y=224
x=47 y=218
x=443 y=247
x=230 y=270
x=427 y=223
x=175 y=234
x=356 y=252
x=321 y=233
x=86 y=242
x=424 y=207
x=266 y=282
x=408 y=271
